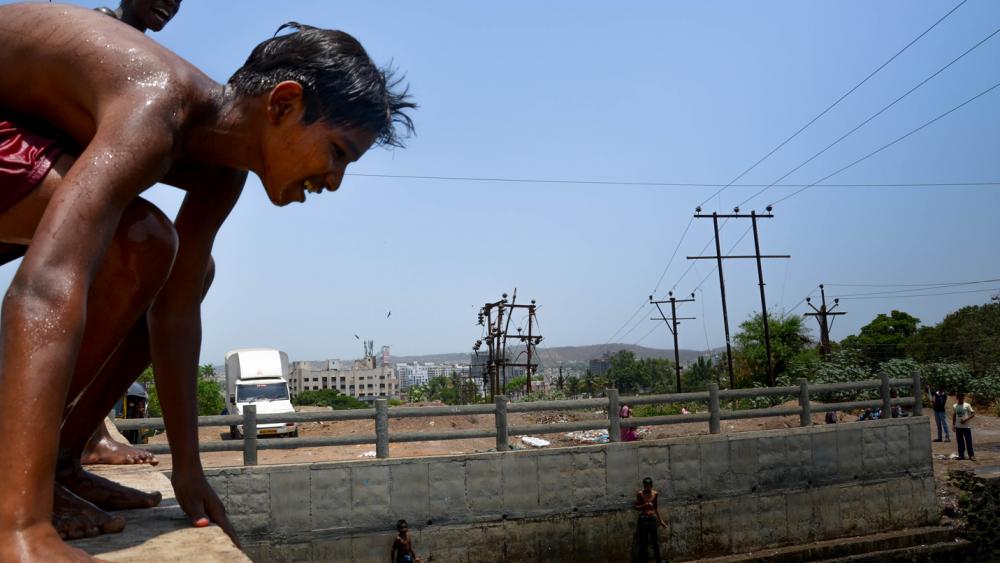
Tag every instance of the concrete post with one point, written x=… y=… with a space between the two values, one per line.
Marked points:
x=501 y=422
x=805 y=419
x=381 y=428
x=715 y=420
x=250 y=435
x=918 y=395
x=614 y=422
x=886 y=398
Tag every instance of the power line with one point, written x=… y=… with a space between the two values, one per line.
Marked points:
x=840 y=99
x=967 y=184
x=929 y=294
x=929 y=285
x=889 y=144
x=912 y=289
x=873 y=116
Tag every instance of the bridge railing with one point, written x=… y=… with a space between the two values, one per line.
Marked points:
x=502 y=431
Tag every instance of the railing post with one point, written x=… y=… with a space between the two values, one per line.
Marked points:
x=381 y=428
x=918 y=395
x=715 y=420
x=805 y=419
x=614 y=422
x=501 y=421
x=250 y=435
x=886 y=398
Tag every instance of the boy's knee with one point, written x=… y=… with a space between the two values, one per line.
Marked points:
x=144 y=225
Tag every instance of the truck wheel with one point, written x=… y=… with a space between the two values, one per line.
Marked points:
x=234 y=433
x=295 y=433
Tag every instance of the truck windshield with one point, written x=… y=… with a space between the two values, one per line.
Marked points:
x=248 y=393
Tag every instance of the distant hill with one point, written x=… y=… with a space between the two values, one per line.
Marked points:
x=564 y=354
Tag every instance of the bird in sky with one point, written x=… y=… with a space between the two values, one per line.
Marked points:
x=357 y=337
x=389 y=314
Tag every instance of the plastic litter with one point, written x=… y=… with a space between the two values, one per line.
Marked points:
x=535 y=442
x=589 y=436
x=370 y=453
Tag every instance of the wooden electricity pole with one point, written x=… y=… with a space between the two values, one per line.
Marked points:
x=823 y=317
x=672 y=323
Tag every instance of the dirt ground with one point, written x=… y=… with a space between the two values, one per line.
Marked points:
x=986 y=438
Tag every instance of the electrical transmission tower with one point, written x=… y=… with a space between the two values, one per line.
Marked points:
x=718 y=257
x=672 y=323
x=492 y=316
x=823 y=317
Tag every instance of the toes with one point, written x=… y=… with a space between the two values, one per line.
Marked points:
x=112 y=525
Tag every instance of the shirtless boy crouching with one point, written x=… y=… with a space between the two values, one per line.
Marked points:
x=106 y=269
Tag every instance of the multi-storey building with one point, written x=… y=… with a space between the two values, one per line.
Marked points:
x=417 y=373
x=361 y=379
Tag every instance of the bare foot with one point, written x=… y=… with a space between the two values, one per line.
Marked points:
x=75 y=518
x=38 y=543
x=103 y=449
x=103 y=493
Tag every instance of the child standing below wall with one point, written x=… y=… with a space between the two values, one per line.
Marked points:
x=961 y=415
x=402 y=546
x=646 y=533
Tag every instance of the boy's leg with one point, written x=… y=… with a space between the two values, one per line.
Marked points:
x=944 y=422
x=968 y=443
x=960 y=437
x=101 y=448
x=134 y=267
x=124 y=367
x=937 y=422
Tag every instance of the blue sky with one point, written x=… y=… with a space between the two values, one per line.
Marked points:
x=641 y=92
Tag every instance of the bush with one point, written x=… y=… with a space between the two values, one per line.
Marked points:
x=664 y=409
x=952 y=377
x=328 y=398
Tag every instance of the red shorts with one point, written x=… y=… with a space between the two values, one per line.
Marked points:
x=25 y=158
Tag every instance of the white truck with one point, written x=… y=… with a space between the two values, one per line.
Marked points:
x=259 y=376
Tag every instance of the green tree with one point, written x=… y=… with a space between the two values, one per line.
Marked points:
x=210 y=397
x=329 y=398
x=698 y=375
x=790 y=344
x=884 y=338
x=970 y=335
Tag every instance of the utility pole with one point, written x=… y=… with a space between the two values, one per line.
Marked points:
x=718 y=257
x=822 y=315
x=672 y=323
x=491 y=315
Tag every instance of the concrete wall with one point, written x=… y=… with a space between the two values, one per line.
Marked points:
x=720 y=494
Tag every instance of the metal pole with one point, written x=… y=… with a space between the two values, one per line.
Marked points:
x=677 y=352
x=381 y=428
x=614 y=422
x=918 y=395
x=725 y=312
x=250 y=435
x=531 y=313
x=715 y=414
x=805 y=419
x=763 y=301
x=886 y=398
x=501 y=422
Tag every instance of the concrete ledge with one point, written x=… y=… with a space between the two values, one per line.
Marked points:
x=157 y=534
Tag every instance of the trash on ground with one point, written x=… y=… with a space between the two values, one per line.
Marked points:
x=589 y=436
x=535 y=442
x=370 y=453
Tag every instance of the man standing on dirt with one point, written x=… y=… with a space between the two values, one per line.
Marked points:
x=960 y=418
x=938 y=402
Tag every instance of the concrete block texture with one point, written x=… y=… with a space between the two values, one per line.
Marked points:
x=409 y=492
x=290 y=501
x=330 y=497
x=719 y=495
x=370 y=496
x=446 y=493
x=520 y=483
x=921 y=461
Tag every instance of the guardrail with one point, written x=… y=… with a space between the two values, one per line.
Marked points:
x=381 y=414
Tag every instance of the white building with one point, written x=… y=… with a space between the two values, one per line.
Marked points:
x=361 y=379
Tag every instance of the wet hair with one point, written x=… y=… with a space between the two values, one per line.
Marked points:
x=341 y=84
x=400 y=524
x=647 y=481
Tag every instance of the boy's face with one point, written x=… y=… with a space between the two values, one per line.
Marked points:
x=154 y=14
x=960 y=398
x=301 y=158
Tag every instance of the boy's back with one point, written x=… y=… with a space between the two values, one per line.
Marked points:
x=113 y=64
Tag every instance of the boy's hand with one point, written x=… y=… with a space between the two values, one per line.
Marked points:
x=198 y=500
x=663 y=524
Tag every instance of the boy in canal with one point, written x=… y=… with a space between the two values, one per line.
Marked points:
x=402 y=547
x=105 y=270
x=646 y=533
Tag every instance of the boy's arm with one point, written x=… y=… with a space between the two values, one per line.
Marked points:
x=656 y=508
x=174 y=323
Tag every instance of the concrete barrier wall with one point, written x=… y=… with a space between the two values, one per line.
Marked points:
x=720 y=494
